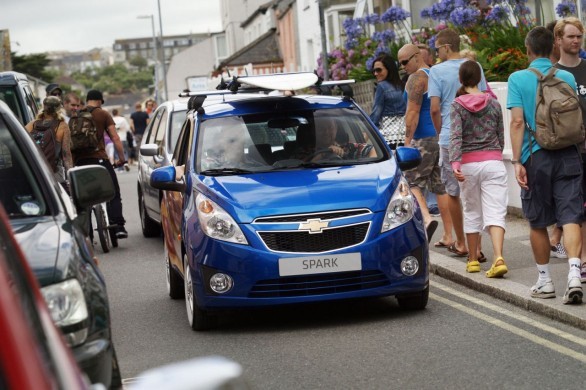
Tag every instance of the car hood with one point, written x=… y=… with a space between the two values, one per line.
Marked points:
x=247 y=197
x=40 y=240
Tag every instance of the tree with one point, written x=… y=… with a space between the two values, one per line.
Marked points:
x=139 y=62
x=32 y=64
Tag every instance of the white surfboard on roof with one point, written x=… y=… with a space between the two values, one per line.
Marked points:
x=281 y=81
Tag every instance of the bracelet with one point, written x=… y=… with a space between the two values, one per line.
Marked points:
x=515 y=162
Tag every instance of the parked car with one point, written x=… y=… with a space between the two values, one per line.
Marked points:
x=156 y=150
x=52 y=231
x=33 y=354
x=15 y=91
x=249 y=224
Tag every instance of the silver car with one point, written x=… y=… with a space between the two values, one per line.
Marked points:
x=156 y=151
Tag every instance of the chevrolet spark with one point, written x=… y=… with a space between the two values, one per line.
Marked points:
x=275 y=200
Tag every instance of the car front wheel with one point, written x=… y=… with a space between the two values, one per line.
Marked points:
x=416 y=301
x=198 y=319
x=149 y=227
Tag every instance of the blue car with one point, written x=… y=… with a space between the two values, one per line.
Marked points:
x=276 y=199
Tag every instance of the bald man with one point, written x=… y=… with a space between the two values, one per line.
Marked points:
x=421 y=134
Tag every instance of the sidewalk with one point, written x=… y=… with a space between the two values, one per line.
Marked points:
x=514 y=286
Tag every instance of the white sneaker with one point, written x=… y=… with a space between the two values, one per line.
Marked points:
x=558 y=251
x=126 y=167
x=574 y=291
x=543 y=290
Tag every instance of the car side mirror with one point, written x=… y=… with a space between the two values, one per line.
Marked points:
x=164 y=178
x=407 y=157
x=90 y=185
x=150 y=150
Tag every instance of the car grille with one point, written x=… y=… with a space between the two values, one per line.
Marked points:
x=297 y=286
x=328 y=215
x=302 y=241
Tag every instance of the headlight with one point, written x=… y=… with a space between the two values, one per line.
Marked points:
x=68 y=309
x=400 y=208
x=216 y=223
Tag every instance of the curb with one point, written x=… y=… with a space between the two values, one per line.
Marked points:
x=504 y=289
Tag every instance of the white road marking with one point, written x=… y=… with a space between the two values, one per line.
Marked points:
x=511 y=328
x=508 y=313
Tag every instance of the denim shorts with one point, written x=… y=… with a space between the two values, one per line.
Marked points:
x=554 y=178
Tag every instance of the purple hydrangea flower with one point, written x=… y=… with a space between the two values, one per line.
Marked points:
x=464 y=17
x=498 y=14
x=395 y=14
x=566 y=8
x=372 y=19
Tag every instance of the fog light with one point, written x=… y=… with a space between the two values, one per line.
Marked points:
x=409 y=265
x=221 y=283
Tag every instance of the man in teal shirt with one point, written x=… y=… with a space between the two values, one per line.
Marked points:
x=550 y=180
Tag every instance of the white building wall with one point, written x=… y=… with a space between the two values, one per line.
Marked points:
x=309 y=39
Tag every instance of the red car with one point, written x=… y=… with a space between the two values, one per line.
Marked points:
x=33 y=353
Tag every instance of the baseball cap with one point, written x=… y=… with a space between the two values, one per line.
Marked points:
x=94 y=94
x=51 y=104
x=51 y=88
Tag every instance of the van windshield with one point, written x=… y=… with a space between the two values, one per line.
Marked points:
x=275 y=141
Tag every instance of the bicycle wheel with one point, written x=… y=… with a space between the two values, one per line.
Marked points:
x=102 y=227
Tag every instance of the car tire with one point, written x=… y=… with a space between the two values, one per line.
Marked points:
x=198 y=319
x=414 y=301
x=149 y=227
x=175 y=286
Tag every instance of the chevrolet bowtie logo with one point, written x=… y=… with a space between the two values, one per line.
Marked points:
x=313 y=225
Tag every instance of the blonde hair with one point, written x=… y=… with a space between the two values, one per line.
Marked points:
x=558 y=30
x=469 y=54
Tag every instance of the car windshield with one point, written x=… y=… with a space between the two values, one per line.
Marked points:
x=277 y=141
x=20 y=194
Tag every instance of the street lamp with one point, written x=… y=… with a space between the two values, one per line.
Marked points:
x=155 y=53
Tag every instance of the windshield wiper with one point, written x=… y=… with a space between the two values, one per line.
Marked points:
x=225 y=171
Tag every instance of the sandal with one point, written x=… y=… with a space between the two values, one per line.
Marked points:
x=481 y=258
x=440 y=244
x=452 y=248
x=472 y=266
x=498 y=268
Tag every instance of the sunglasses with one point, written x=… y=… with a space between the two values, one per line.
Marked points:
x=377 y=70
x=56 y=94
x=440 y=46
x=405 y=62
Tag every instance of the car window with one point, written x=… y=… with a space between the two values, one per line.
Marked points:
x=9 y=96
x=177 y=119
x=262 y=141
x=154 y=126
x=183 y=147
x=20 y=195
x=161 y=129
x=31 y=103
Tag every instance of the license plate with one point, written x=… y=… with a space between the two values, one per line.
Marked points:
x=319 y=264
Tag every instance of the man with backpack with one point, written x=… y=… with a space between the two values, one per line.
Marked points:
x=548 y=168
x=569 y=35
x=87 y=143
x=51 y=134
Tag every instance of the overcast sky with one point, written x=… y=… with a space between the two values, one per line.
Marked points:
x=38 y=26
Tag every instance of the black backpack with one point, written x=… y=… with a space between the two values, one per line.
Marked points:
x=84 y=134
x=45 y=137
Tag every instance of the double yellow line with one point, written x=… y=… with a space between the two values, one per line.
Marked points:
x=511 y=328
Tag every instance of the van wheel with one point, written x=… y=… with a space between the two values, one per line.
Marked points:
x=198 y=319
x=416 y=301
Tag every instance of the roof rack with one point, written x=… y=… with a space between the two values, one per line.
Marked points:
x=270 y=82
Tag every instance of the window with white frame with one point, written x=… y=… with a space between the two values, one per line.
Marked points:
x=334 y=17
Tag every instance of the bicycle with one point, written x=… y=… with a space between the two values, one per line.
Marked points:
x=106 y=232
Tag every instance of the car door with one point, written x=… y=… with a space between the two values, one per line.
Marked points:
x=172 y=205
x=155 y=136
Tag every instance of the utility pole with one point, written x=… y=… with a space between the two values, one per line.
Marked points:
x=324 y=46
x=163 y=51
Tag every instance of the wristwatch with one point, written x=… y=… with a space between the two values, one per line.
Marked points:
x=515 y=162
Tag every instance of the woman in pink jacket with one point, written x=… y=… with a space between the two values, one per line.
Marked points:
x=476 y=144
